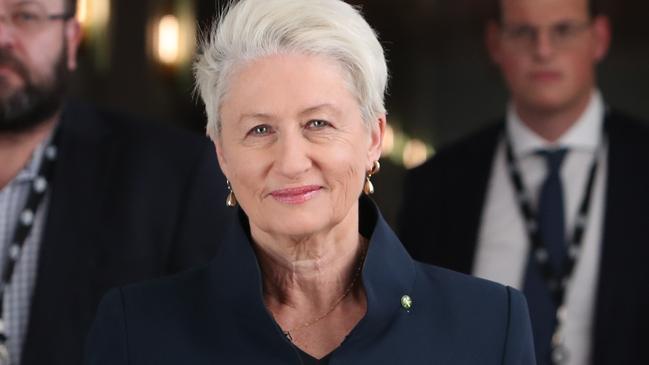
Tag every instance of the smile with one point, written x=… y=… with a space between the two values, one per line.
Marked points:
x=297 y=195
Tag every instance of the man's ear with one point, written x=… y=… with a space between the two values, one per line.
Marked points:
x=493 y=41
x=73 y=36
x=602 y=34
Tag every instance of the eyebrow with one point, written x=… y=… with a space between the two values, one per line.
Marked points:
x=318 y=107
x=309 y=110
x=254 y=116
x=25 y=2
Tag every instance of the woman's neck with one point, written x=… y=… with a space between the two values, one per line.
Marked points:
x=312 y=284
x=309 y=273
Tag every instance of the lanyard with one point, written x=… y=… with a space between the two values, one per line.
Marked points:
x=557 y=280
x=23 y=228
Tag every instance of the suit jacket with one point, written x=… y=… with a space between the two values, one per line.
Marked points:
x=216 y=314
x=129 y=201
x=441 y=217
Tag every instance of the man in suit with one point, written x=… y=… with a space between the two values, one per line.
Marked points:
x=88 y=199
x=553 y=199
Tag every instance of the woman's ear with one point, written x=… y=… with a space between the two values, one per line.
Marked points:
x=376 y=143
x=220 y=156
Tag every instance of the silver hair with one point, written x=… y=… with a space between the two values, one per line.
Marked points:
x=250 y=29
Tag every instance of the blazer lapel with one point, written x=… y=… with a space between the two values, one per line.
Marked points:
x=468 y=179
x=237 y=317
x=63 y=287
x=622 y=272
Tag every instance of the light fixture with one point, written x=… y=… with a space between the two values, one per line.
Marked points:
x=94 y=17
x=172 y=36
x=82 y=11
x=415 y=152
x=93 y=14
x=168 y=43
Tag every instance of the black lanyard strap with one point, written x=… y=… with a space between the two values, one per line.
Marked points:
x=37 y=192
x=556 y=280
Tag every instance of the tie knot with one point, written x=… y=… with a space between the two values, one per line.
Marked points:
x=553 y=158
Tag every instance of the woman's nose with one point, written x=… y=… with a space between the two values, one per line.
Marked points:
x=292 y=159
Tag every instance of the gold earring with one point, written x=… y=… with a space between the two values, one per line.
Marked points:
x=231 y=200
x=368 y=188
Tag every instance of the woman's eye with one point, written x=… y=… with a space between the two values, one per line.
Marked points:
x=317 y=123
x=260 y=130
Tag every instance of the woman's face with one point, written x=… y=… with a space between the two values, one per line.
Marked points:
x=293 y=144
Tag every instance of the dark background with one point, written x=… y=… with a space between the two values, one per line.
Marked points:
x=442 y=84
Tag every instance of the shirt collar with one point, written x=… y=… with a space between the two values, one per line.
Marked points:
x=584 y=135
x=30 y=170
x=388 y=273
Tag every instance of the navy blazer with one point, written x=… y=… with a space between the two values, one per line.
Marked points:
x=443 y=206
x=130 y=201
x=216 y=314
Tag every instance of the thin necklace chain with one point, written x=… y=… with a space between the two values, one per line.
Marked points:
x=348 y=290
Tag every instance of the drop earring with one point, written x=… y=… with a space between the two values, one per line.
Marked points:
x=231 y=200
x=368 y=188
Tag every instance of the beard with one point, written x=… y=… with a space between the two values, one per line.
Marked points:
x=33 y=103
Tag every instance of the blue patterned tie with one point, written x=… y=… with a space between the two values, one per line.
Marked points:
x=551 y=226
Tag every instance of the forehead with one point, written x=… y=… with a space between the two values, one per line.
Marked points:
x=292 y=77
x=543 y=11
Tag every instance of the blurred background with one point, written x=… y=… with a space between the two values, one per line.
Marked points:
x=136 y=57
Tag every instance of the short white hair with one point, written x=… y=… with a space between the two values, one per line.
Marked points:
x=251 y=29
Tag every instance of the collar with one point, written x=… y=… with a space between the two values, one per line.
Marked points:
x=584 y=135
x=30 y=171
x=388 y=273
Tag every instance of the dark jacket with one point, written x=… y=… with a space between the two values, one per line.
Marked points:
x=216 y=314
x=129 y=201
x=442 y=211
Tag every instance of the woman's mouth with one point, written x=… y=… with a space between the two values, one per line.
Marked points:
x=297 y=195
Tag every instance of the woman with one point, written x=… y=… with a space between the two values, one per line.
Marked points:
x=309 y=273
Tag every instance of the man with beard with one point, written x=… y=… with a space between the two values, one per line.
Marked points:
x=88 y=199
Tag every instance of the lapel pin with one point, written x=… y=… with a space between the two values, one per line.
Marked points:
x=406 y=302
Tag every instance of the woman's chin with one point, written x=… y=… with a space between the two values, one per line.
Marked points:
x=298 y=225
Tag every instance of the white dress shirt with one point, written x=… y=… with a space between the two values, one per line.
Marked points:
x=503 y=242
x=18 y=293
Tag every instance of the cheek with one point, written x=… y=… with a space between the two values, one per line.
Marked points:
x=43 y=61
x=581 y=69
x=244 y=168
x=348 y=167
x=247 y=173
x=354 y=176
x=346 y=187
x=247 y=184
x=513 y=69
